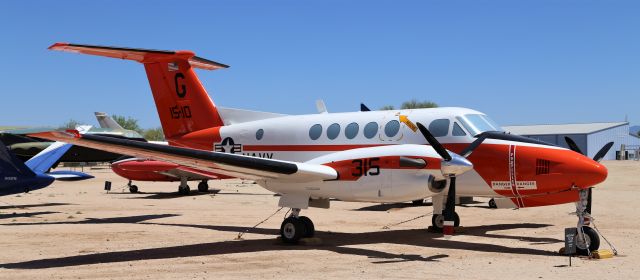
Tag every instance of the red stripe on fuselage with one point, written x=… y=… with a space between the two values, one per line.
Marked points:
x=305 y=148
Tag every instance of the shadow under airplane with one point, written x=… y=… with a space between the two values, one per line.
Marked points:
x=336 y=242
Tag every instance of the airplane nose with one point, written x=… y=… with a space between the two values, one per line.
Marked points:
x=590 y=173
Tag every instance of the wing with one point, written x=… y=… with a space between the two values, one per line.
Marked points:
x=233 y=165
x=45 y=159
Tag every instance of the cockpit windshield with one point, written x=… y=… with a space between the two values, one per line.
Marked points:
x=477 y=123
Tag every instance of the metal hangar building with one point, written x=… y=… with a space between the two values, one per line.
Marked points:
x=589 y=137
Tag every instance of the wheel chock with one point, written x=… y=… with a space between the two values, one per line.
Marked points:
x=602 y=254
x=457 y=230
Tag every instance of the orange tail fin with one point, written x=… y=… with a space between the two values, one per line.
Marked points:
x=185 y=109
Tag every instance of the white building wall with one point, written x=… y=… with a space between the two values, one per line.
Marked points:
x=620 y=135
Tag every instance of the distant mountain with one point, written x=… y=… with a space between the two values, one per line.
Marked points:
x=634 y=129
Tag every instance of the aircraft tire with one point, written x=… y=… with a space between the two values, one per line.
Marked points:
x=309 y=228
x=492 y=204
x=291 y=230
x=592 y=239
x=203 y=187
x=133 y=189
x=184 y=191
x=437 y=221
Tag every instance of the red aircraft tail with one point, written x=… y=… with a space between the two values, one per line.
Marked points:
x=185 y=109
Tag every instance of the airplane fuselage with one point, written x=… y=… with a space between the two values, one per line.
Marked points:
x=517 y=170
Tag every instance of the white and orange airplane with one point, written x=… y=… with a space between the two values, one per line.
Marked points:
x=375 y=156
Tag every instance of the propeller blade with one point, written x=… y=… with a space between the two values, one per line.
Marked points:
x=434 y=143
x=364 y=108
x=603 y=152
x=450 y=209
x=469 y=149
x=572 y=145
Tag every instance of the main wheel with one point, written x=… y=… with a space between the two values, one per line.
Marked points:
x=291 y=230
x=590 y=244
x=203 y=186
x=309 y=228
x=133 y=189
x=184 y=190
x=437 y=221
x=492 y=204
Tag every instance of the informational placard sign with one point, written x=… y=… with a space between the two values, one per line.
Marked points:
x=570 y=236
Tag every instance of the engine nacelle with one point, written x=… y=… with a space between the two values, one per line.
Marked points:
x=377 y=174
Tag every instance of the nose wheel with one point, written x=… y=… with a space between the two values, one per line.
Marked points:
x=296 y=227
x=437 y=221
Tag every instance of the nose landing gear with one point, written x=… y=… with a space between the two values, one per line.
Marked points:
x=588 y=239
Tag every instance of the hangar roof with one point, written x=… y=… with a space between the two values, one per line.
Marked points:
x=546 y=129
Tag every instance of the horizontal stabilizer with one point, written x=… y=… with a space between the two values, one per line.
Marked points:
x=140 y=55
x=68 y=175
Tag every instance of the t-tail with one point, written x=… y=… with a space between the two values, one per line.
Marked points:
x=187 y=114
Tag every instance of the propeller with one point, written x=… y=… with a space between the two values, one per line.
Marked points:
x=572 y=145
x=452 y=165
x=598 y=157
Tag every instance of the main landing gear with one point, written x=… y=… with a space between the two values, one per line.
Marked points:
x=183 y=188
x=203 y=186
x=588 y=239
x=296 y=227
x=132 y=188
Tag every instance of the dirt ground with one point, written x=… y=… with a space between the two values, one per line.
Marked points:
x=77 y=230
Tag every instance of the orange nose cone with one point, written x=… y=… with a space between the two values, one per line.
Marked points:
x=591 y=173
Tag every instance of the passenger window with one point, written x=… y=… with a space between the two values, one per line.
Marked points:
x=333 y=131
x=457 y=130
x=259 y=134
x=392 y=128
x=315 y=131
x=351 y=130
x=439 y=127
x=370 y=130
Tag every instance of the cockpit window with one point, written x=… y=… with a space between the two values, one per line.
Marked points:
x=457 y=130
x=477 y=123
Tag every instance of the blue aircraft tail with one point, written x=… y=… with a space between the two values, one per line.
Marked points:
x=11 y=166
x=16 y=177
x=45 y=159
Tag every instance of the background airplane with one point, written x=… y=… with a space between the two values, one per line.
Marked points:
x=25 y=147
x=374 y=156
x=147 y=170
x=18 y=177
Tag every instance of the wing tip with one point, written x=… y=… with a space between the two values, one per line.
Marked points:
x=57 y=45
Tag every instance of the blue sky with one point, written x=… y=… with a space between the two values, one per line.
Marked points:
x=521 y=62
